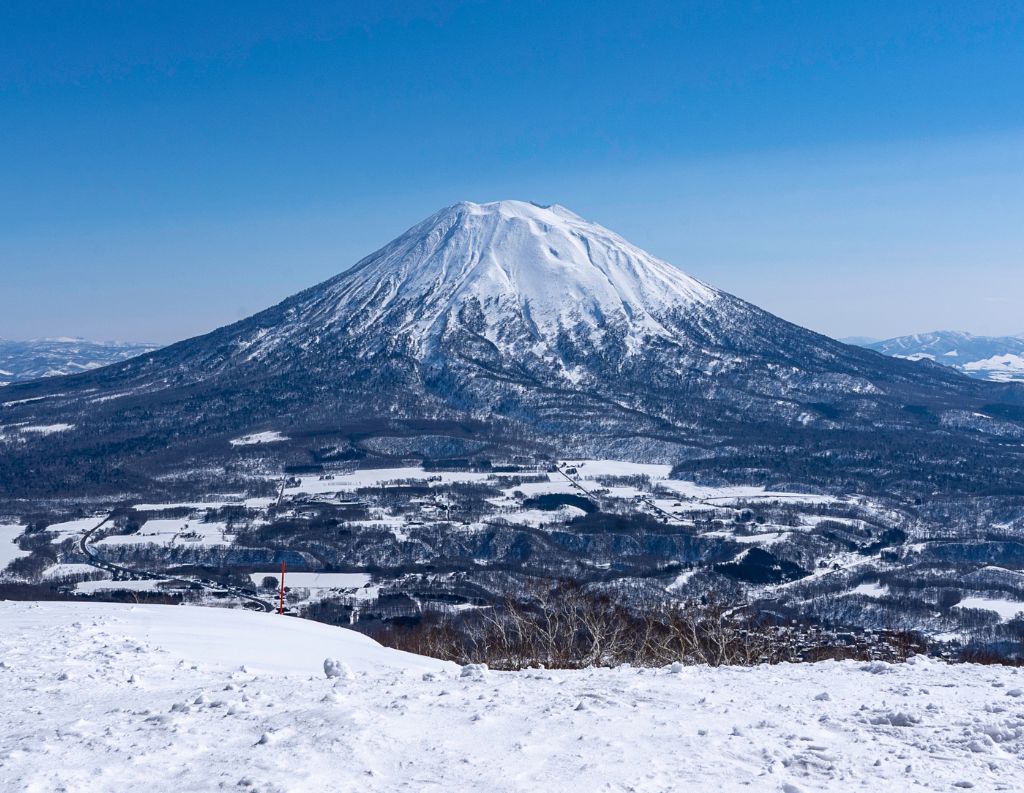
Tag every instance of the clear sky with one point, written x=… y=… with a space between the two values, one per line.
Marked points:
x=168 y=167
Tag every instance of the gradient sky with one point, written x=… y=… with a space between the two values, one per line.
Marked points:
x=166 y=168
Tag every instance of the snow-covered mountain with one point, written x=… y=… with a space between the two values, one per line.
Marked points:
x=519 y=276
x=37 y=358
x=106 y=697
x=509 y=325
x=998 y=358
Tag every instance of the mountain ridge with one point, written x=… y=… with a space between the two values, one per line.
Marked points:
x=995 y=358
x=33 y=359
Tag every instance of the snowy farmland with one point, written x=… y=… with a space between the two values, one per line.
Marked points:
x=171 y=531
x=9 y=551
x=442 y=540
x=179 y=698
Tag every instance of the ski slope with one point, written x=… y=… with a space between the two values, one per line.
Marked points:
x=106 y=697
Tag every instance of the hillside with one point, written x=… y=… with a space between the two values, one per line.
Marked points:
x=177 y=698
x=510 y=328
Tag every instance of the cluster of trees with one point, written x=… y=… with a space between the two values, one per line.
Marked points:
x=567 y=626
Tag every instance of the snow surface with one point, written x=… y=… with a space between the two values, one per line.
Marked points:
x=258 y=438
x=870 y=589
x=316 y=580
x=9 y=550
x=105 y=697
x=501 y=258
x=590 y=469
x=106 y=585
x=1005 y=367
x=1006 y=609
x=64 y=569
x=173 y=531
x=73 y=529
x=46 y=429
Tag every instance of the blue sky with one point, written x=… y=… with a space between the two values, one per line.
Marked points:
x=166 y=168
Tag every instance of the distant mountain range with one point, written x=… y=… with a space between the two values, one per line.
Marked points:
x=509 y=327
x=37 y=358
x=997 y=358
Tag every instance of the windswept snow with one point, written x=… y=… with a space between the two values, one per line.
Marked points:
x=102 y=697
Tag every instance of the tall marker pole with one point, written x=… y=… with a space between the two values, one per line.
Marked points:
x=280 y=603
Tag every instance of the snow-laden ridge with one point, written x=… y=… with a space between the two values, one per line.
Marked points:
x=997 y=358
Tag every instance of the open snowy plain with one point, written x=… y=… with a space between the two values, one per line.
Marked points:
x=105 y=697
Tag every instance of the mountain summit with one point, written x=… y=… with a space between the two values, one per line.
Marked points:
x=508 y=326
x=511 y=272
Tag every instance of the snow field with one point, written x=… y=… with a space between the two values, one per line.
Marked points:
x=9 y=550
x=73 y=529
x=106 y=585
x=173 y=531
x=310 y=587
x=63 y=569
x=101 y=697
x=316 y=580
x=1006 y=609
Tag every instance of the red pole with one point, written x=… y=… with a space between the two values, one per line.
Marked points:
x=280 y=606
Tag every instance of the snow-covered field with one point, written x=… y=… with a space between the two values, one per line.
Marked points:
x=9 y=551
x=1006 y=609
x=1004 y=368
x=104 y=697
x=317 y=580
x=307 y=587
x=173 y=531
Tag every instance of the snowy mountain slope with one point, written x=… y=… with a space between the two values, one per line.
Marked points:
x=527 y=273
x=105 y=697
x=504 y=323
x=31 y=360
x=997 y=358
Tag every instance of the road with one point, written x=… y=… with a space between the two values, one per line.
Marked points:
x=119 y=571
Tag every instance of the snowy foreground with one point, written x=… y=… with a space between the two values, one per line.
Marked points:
x=161 y=698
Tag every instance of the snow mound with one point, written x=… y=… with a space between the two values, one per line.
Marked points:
x=335 y=668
